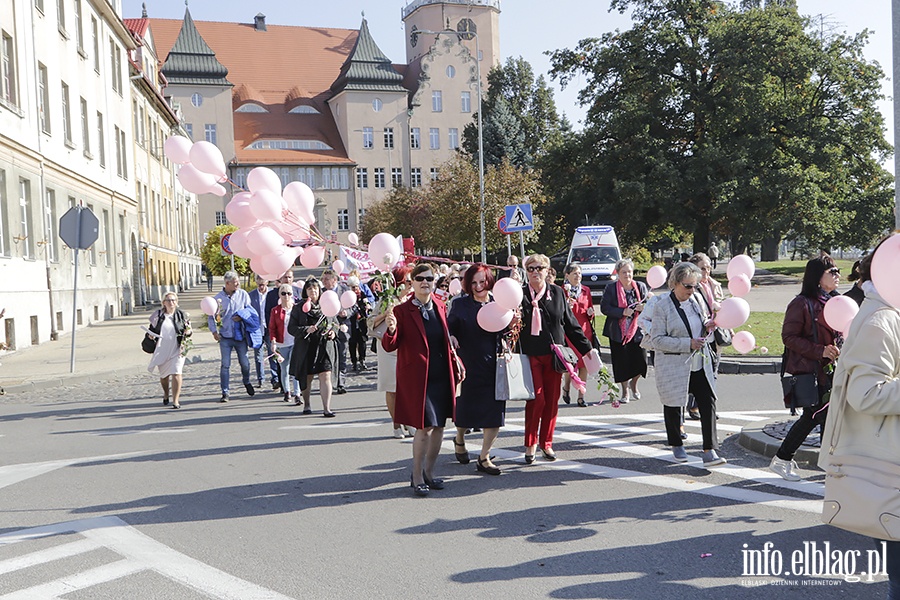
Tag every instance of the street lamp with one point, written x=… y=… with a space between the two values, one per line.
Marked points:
x=460 y=35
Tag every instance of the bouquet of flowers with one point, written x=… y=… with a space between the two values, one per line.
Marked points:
x=218 y=316
x=187 y=343
x=605 y=380
x=390 y=294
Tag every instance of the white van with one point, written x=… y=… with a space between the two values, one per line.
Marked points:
x=596 y=250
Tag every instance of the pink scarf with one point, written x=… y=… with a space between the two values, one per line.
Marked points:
x=620 y=298
x=536 y=310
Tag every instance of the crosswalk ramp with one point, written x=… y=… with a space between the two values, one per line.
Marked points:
x=90 y=553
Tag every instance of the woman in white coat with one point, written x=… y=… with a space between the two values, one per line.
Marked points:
x=173 y=326
x=683 y=361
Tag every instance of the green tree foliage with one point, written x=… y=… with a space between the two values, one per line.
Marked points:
x=444 y=216
x=212 y=256
x=702 y=118
x=519 y=116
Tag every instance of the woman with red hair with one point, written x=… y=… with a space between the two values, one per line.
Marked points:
x=476 y=406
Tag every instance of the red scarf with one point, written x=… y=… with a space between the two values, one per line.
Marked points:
x=622 y=302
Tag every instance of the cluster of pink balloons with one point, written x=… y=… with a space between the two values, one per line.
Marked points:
x=495 y=316
x=734 y=311
x=740 y=271
x=202 y=169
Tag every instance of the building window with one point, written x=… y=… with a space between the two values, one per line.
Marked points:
x=95 y=40
x=220 y=218
x=210 y=131
x=4 y=216
x=61 y=14
x=44 y=98
x=453 y=138
x=415 y=138
x=434 y=138
x=101 y=139
x=285 y=176
x=66 y=115
x=124 y=154
x=189 y=129
x=196 y=100
x=107 y=243
x=85 y=131
x=50 y=226
x=343 y=223
x=79 y=35
x=122 y=241
x=360 y=215
x=115 y=61
x=93 y=249
x=240 y=176
x=379 y=177
x=389 y=138
x=377 y=104
x=362 y=177
x=8 y=86
x=39 y=4
x=434 y=173
x=119 y=150
x=326 y=178
x=396 y=176
x=437 y=101
x=26 y=214
x=465 y=100
x=451 y=71
x=368 y=137
x=415 y=177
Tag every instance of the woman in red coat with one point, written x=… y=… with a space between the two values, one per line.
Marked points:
x=426 y=382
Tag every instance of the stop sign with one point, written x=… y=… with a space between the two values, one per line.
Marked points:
x=79 y=228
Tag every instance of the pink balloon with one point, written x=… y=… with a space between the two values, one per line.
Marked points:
x=839 y=312
x=217 y=190
x=307 y=305
x=733 y=313
x=353 y=238
x=330 y=303
x=195 y=181
x=384 y=246
x=264 y=240
x=508 y=293
x=278 y=262
x=884 y=270
x=739 y=285
x=493 y=317
x=348 y=299
x=178 y=149
x=238 y=212
x=338 y=266
x=592 y=363
x=266 y=205
x=312 y=257
x=744 y=342
x=209 y=306
x=656 y=277
x=263 y=178
x=238 y=243
x=208 y=158
x=455 y=287
x=300 y=200
x=740 y=264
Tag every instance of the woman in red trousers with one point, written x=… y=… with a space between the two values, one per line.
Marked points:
x=426 y=377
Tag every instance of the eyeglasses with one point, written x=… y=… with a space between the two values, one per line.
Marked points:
x=689 y=286
x=444 y=286
x=535 y=269
x=421 y=278
x=169 y=300
x=286 y=294
x=479 y=283
x=834 y=271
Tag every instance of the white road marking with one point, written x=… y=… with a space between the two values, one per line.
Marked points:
x=12 y=474
x=141 y=431
x=47 y=555
x=335 y=426
x=141 y=553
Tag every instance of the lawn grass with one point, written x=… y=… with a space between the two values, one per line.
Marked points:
x=795 y=268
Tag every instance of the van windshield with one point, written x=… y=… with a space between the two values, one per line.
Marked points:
x=595 y=255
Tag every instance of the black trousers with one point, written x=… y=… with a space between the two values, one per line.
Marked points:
x=706 y=403
x=812 y=416
x=358 y=340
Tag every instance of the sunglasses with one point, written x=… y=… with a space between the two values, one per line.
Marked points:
x=421 y=278
x=535 y=269
x=689 y=287
x=286 y=294
x=834 y=271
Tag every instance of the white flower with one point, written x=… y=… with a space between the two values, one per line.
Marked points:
x=388 y=259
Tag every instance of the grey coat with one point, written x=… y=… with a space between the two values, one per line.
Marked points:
x=672 y=342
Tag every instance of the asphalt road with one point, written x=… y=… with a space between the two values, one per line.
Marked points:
x=107 y=495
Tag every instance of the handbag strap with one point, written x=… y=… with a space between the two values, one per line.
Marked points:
x=681 y=313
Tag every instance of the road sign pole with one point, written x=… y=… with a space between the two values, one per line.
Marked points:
x=75 y=295
x=522 y=246
x=508 y=245
x=232 y=262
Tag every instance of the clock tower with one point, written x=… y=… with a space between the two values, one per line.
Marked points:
x=468 y=17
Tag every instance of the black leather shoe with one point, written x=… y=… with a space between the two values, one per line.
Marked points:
x=249 y=388
x=166 y=401
x=224 y=398
x=421 y=489
x=566 y=398
x=487 y=469
x=462 y=457
x=340 y=390
x=529 y=458
x=548 y=453
x=433 y=484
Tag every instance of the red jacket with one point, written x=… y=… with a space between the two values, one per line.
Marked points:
x=412 y=361
x=275 y=323
x=803 y=354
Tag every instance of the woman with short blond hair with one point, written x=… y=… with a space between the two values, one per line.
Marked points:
x=173 y=326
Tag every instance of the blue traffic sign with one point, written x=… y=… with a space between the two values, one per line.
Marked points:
x=519 y=218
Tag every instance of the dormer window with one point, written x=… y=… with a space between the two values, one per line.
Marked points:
x=251 y=107
x=304 y=109
x=289 y=145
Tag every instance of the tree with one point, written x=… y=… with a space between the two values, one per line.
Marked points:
x=519 y=116
x=703 y=117
x=217 y=261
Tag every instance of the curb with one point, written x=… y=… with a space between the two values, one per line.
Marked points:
x=751 y=367
x=753 y=438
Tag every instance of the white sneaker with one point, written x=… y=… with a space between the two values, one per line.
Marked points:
x=398 y=433
x=785 y=468
x=410 y=431
x=679 y=453
x=624 y=399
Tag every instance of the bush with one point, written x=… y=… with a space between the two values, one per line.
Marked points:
x=640 y=256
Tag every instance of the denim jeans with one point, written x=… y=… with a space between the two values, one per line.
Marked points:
x=259 y=357
x=225 y=347
x=288 y=382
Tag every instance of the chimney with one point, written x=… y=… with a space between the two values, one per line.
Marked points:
x=259 y=22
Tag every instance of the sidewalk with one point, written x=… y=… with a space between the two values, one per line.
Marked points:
x=102 y=351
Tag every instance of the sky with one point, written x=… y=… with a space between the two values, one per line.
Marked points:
x=528 y=28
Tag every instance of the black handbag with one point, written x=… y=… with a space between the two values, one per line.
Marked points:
x=800 y=391
x=148 y=344
x=568 y=356
x=722 y=337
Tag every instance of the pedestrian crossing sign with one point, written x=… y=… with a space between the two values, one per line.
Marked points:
x=519 y=218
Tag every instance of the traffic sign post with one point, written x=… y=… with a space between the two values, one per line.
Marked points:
x=501 y=225
x=225 y=242
x=79 y=228
x=519 y=218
